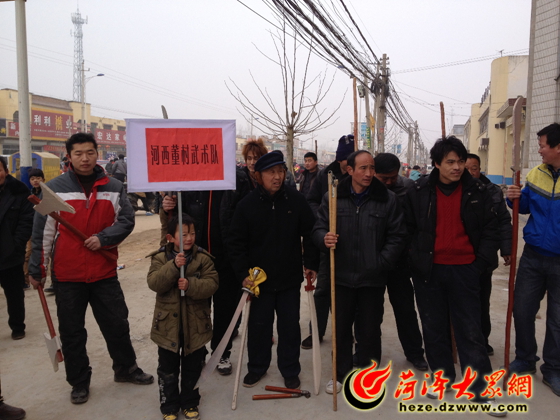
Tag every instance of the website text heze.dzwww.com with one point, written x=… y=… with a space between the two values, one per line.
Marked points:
x=462 y=408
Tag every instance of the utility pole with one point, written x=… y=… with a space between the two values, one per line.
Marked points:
x=368 y=115
x=83 y=98
x=375 y=110
x=416 y=142
x=381 y=111
x=24 y=108
x=354 y=90
x=409 y=147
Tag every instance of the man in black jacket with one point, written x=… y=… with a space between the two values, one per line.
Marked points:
x=322 y=295
x=266 y=232
x=454 y=238
x=309 y=175
x=504 y=218
x=399 y=286
x=16 y=223
x=369 y=238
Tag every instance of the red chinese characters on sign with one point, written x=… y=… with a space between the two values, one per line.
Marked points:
x=184 y=154
x=13 y=129
x=46 y=125
x=50 y=125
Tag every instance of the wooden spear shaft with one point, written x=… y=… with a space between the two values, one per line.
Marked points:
x=442 y=110
x=333 y=182
x=516 y=167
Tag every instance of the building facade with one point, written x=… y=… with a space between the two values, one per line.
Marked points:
x=543 y=90
x=52 y=122
x=488 y=132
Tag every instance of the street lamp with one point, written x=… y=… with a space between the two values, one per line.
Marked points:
x=83 y=95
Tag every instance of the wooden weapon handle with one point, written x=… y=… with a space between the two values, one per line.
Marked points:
x=108 y=255
x=332 y=191
x=285 y=390
x=274 y=396
x=309 y=286
x=48 y=318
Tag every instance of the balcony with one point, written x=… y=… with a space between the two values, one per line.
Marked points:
x=506 y=110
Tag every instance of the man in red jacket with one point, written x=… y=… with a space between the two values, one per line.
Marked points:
x=82 y=275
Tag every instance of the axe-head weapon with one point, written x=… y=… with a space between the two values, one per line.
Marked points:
x=51 y=202
x=53 y=342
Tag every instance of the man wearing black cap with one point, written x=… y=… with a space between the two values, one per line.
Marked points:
x=322 y=293
x=266 y=232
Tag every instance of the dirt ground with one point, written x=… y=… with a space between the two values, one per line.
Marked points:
x=28 y=380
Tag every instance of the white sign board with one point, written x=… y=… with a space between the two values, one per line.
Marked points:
x=180 y=155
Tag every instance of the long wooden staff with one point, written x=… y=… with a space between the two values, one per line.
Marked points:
x=442 y=110
x=516 y=167
x=333 y=183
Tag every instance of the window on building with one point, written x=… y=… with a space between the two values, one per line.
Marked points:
x=107 y=126
x=16 y=117
x=121 y=128
x=484 y=122
x=93 y=127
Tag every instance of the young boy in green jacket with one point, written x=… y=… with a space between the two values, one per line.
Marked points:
x=181 y=326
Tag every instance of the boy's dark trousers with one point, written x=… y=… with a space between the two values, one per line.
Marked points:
x=170 y=366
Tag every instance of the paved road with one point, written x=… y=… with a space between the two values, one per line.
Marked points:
x=29 y=381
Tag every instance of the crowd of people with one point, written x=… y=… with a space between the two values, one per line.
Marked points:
x=432 y=239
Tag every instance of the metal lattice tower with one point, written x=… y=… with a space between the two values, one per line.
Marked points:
x=78 y=53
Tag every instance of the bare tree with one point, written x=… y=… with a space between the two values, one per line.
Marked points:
x=300 y=114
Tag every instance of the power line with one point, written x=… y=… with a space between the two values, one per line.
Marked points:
x=134 y=82
x=458 y=63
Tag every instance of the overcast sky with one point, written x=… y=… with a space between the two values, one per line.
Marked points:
x=180 y=53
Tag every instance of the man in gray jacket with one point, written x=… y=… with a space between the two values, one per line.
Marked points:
x=119 y=170
x=370 y=239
